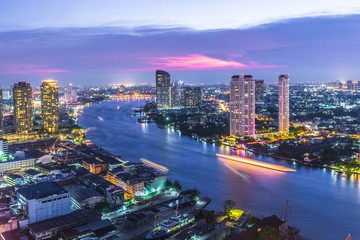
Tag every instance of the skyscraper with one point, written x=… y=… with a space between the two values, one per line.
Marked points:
x=284 y=103
x=163 y=99
x=23 y=109
x=1 y=112
x=50 y=105
x=259 y=90
x=242 y=105
x=175 y=94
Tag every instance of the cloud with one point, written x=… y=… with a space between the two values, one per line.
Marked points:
x=198 y=62
x=28 y=69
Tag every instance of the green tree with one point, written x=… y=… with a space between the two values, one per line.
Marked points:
x=269 y=233
x=177 y=185
x=228 y=206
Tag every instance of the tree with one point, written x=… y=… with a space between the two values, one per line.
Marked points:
x=195 y=193
x=228 y=206
x=252 y=221
x=168 y=183
x=269 y=233
x=177 y=185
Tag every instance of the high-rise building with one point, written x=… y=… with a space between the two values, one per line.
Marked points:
x=191 y=96
x=259 y=90
x=242 y=105
x=175 y=94
x=23 y=109
x=352 y=86
x=1 y=112
x=163 y=98
x=162 y=78
x=284 y=103
x=50 y=105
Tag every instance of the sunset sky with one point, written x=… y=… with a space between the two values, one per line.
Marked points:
x=99 y=42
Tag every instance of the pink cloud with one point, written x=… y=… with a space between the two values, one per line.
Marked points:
x=28 y=69
x=198 y=62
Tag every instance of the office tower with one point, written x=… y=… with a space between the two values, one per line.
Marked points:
x=50 y=105
x=163 y=89
x=259 y=90
x=242 y=105
x=44 y=201
x=1 y=112
x=23 y=109
x=191 y=96
x=352 y=86
x=284 y=103
x=175 y=95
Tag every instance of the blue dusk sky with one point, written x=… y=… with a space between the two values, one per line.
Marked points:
x=114 y=41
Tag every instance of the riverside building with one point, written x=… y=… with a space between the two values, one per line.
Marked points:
x=284 y=103
x=163 y=98
x=242 y=105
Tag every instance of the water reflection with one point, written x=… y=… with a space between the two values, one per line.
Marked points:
x=319 y=198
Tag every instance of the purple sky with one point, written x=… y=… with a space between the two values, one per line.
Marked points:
x=310 y=49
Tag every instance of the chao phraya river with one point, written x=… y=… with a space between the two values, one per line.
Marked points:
x=324 y=205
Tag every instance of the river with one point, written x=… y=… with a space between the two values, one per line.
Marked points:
x=324 y=205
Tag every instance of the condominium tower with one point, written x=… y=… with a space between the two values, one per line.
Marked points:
x=23 y=109
x=284 y=103
x=163 y=98
x=50 y=105
x=242 y=105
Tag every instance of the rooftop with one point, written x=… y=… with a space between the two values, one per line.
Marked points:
x=76 y=218
x=84 y=193
x=41 y=190
x=32 y=172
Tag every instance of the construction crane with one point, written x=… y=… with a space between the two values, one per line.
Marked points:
x=285 y=213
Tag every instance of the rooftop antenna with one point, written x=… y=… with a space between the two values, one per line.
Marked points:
x=285 y=214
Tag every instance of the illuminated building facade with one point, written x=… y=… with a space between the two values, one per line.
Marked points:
x=50 y=105
x=284 y=103
x=23 y=109
x=191 y=96
x=163 y=99
x=242 y=105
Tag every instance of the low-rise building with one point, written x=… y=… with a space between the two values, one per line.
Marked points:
x=31 y=175
x=51 y=227
x=95 y=166
x=131 y=183
x=44 y=201
x=85 y=197
x=14 y=180
x=19 y=164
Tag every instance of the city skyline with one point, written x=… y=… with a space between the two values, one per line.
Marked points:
x=316 y=45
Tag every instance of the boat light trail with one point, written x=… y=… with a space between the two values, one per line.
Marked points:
x=154 y=165
x=257 y=163
x=238 y=172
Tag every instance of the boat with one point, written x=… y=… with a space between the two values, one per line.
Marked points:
x=170 y=226
x=144 y=120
